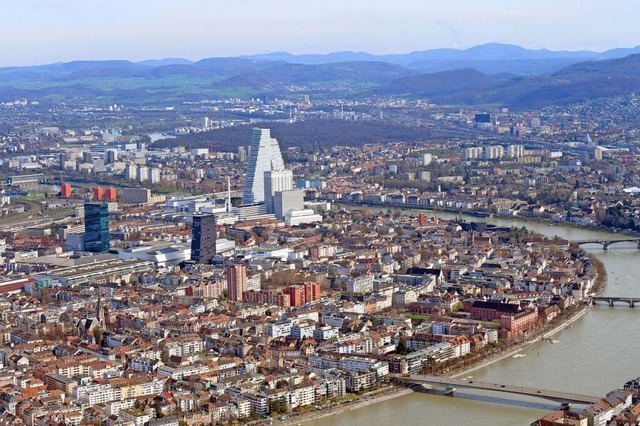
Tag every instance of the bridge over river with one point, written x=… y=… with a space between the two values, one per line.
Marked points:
x=558 y=396
x=605 y=243
x=612 y=300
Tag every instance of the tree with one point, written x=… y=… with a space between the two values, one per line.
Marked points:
x=401 y=347
x=158 y=409
x=98 y=335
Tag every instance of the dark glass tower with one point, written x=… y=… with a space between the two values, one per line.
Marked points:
x=203 y=238
x=96 y=227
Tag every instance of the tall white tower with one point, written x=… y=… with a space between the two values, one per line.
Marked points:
x=265 y=156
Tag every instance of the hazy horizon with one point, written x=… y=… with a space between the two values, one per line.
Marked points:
x=68 y=30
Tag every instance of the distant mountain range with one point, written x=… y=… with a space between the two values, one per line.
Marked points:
x=487 y=74
x=575 y=83
x=492 y=58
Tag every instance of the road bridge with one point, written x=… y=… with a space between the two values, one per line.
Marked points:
x=631 y=301
x=557 y=396
x=606 y=243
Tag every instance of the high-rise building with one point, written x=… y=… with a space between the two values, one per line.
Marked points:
x=111 y=156
x=203 y=238
x=65 y=190
x=96 y=227
x=111 y=194
x=242 y=153
x=236 y=282
x=143 y=173
x=276 y=181
x=302 y=293
x=284 y=201
x=98 y=193
x=264 y=156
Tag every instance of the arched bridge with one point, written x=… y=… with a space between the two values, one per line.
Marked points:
x=631 y=301
x=517 y=390
x=606 y=243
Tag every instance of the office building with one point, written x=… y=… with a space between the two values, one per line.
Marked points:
x=285 y=201
x=236 y=282
x=264 y=156
x=300 y=217
x=96 y=227
x=203 y=238
x=276 y=181
x=111 y=156
x=135 y=195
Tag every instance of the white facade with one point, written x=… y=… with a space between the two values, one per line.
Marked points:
x=515 y=151
x=298 y=217
x=361 y=284
x=493 y=152
x=279 y=328
x=276 y=181
x=284 y=201
x=472 y=153
x=265 y=156
x=302 y=330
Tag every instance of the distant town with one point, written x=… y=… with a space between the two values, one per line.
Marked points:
x=156 y=272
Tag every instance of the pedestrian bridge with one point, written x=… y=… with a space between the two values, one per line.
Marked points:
x=606 y=243
x=612 y=301
x=557 y=396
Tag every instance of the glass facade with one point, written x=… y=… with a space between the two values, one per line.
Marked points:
x=265 y=156
x=203 y=239
x=96 y=227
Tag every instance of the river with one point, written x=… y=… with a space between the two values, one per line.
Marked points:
x=594 y=356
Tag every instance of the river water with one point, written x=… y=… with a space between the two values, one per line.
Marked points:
x=597 y=354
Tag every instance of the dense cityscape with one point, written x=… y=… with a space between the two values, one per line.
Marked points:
x=441 y=236
x=160 y=283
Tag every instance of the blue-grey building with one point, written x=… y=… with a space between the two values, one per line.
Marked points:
x=96 y=227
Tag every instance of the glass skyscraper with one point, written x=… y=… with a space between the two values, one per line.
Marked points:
x=96 y=227
x=265 y=156
x=203 y=238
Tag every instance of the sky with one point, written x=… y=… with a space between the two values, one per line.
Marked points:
x=46 y=31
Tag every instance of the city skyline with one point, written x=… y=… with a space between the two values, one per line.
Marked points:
x=65 y=31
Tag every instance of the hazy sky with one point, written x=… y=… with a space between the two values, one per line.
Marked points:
x=45 y=31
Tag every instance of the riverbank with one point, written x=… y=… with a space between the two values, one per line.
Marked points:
x=524 y=345
x=391 y=392
x=600 y=282
x=479 y=216
x=599 y=277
